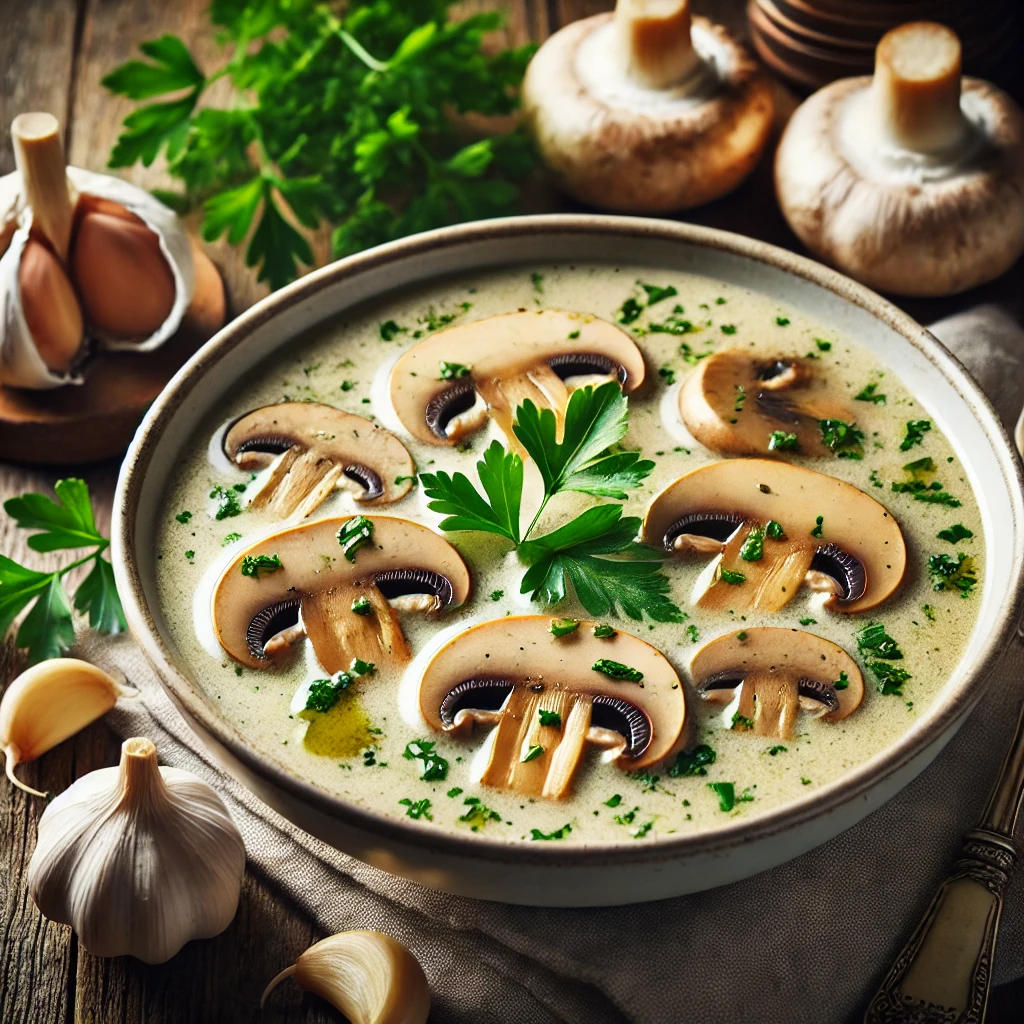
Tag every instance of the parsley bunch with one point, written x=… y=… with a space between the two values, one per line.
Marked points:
x=629 y=583
x=338 y=115
x=65 y=524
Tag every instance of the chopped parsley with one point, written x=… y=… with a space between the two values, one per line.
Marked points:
x=741 y=722
x=389 y=330
x=190 y=554
x=532 y=754
x=773 y=530
x=552 y=718
x=253 y=565
x=537 y=279
x=667 y=374
x=433 y=767
x=325 y=693
x=929 y=612
x=559 y=833
x=727 y=328
x=823 y=346
x=657 y=293
x=419 y=809
x=780 y=441
x=808 y=621
x=497 y=595
x=230 y=539
x=642 y=831
x=478 y=814
x=752 y=549
x=874 y=642
x=741 y=395
x=916 y=429
x=454 y=792
x=819 y=522
x=842 y=682
x=732 y=578
x=955 y=533
x=630 y=311
x=452 y=371
x=741 y=636
x=920 y=468
x=946 y=574
x=353 y=535
x=845 y=440
x=726 y=793
x=616 y=670
x=777 y=749
x=183 y=517
x=869 y=393
x=229 y=505
x=782 y=321
x=693 y=633
x=563 y=627
x=692 y=762
x=614 y=800
x=362 y=606
x=890 y=677
x=602 y=631
x=627 y=818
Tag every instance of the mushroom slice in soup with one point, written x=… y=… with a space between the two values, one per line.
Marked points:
x=314 y=449
x=549 y=697
x=445 y=387
x=340 y=582
x=778 y=527
x=733 y=403
x=778 y=673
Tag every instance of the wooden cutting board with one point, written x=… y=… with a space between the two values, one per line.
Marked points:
x=96 y=420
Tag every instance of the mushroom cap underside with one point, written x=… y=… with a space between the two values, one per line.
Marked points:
x=520 y=651
x=733 y=402
x=366 y=453
x=401 y=557
x=917 y=227
x=637 y=150
x=792 y=654
x=759 y=490
x=502 y=346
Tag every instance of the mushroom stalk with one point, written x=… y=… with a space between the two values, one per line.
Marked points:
x=654 y=41
x=39 y=155
x=916 y=87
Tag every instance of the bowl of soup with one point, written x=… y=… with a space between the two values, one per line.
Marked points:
x=572 y=560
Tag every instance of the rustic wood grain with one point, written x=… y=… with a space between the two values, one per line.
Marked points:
x=53 y=54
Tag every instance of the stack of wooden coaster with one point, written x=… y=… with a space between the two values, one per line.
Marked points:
x=813 y=42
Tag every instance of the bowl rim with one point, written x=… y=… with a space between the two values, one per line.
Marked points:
x=912 y=744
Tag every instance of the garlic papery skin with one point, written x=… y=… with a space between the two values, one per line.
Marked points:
x=138 y=859
x=371 y=978
x=127 y=266
x=48 y=703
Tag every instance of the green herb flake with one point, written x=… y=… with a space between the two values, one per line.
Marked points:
x=433 y=767
x=535 y=751
x=890 y=677
x=842 y=682
x=667 y=374
x=190 y=555
x=573 y=335
x=916 y=429
x=642 y=831
x=253 y=565
x=823 y=346
x=325 y=693
x=347 y=385
x=741 y=722
x=657 y=293
x=955 y=533
x=563 y=627
x=614 y=800
x=362 y=606
x=876 y=480
x=616 y=670
x=804 y=781
x=560 y=833
x=777 y=749
x=752 y=549
x=497 y=595
x=693 y=633
x=603 y=631
x=808 y=621
x=537 y=280
x=870 y=393
x=845 y=440
x=454 y=792
x=734 y=579
x=478 y=815
x=959 y=575
x=230 y=539
x=781 y=441
x=692 y=762
x=929 y=612
x=726 y=793
x=353 y=535
x=389 y=330
x=729 y=329
x=183 y=517
x=630 y=311
x=550 y=718
x=874 y=642
x=419 y=809
x=228 y=504
x=452 y=371
x=773 y=530
x=741 y=396
x=782 y=321
x=819 y=523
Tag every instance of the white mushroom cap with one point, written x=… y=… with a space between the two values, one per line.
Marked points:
x=644 y=112
x=913 y=180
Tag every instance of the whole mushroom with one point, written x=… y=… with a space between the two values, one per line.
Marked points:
x=913 y=180
x=647 y=110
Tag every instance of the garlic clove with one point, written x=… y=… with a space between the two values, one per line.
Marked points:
x=48 y=703
x=371 y=978
x=124 y=280
x=138 y=859
x=50 y=307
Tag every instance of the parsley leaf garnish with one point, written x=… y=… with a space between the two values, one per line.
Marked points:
x=946 y=574
x=418 y=809
x=869 y=393
x=48 y=629
x=955 y=533
x=433 y=767
x=559 y=833
x=726 y=793
x=253 y=565
x=916 y=429
x=844 y=439
x=692 y=762
x=781 y=441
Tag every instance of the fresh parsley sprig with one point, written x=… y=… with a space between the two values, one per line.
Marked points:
x=596 y=553
x=337 y=114
x=48 y=629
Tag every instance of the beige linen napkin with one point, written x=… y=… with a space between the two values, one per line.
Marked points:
x=805 y=942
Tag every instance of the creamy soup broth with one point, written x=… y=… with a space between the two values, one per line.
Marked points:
x=356 y=750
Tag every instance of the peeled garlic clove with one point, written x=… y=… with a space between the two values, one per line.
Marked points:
x=124 y=280
x=138 y=859
x=50 y=307
x=48 y=703
x=371 y=978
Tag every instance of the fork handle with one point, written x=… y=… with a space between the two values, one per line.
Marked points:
x=943 y=974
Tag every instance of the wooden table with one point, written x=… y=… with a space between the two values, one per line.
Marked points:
x=53 y=54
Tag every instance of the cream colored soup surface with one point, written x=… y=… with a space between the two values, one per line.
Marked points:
x=361 y=742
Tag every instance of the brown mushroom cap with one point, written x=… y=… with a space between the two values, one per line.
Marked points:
x=314 y=448
x=506 y=670
x=778 y=671
x=911 y=181
x=780 y=393
x=510 y=357
x=258 y=616
x=716 y=506
x=633 y=114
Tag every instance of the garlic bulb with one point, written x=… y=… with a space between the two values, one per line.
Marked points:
x=138 y=859
x=48 y=703
x=85 y=259
x=371 y=978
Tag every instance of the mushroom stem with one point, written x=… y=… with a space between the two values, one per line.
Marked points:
x=916 y=87
x=39 y=154
x=654 y=41
x=299 y=482
x=540 y=385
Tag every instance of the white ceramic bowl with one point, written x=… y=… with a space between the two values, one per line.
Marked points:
x=551 y=874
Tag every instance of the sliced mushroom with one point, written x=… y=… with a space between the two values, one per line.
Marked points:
x=911 y=180
x=315 y=449
x=734 y=401
x=259 y=615
x=856 y=551
x=646 y=111
x=505 y=359
x=505 y=672
x=778 y=672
